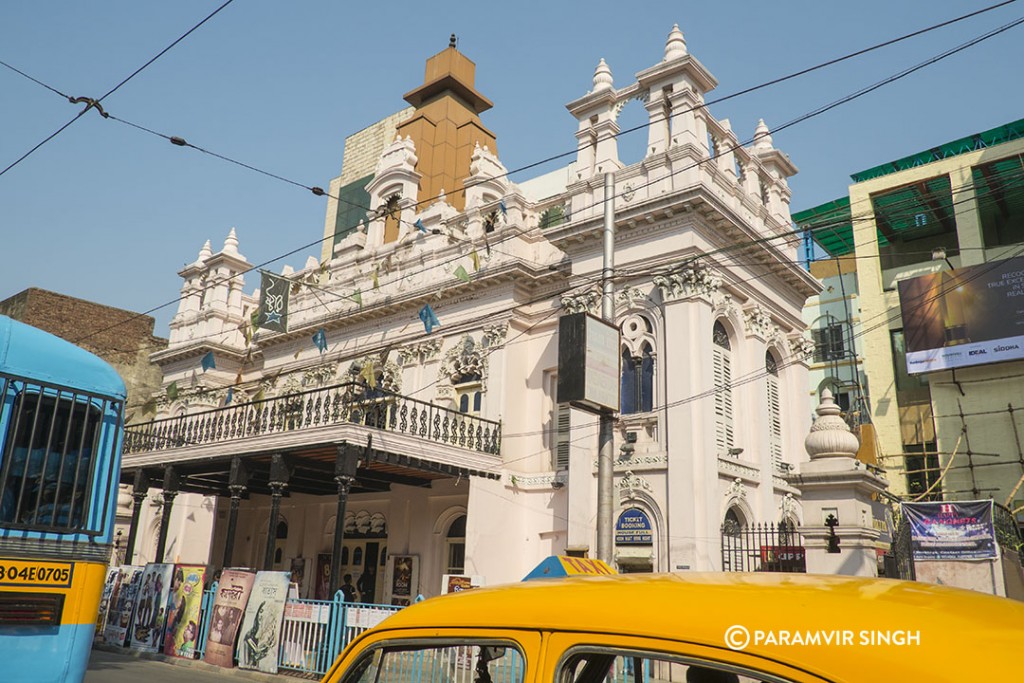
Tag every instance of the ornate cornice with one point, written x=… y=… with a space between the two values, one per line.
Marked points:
x=586 y=302
x=419 y=353
x=690 y=281
x=633 y=482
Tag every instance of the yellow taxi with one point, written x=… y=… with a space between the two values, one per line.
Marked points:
x=694 y=628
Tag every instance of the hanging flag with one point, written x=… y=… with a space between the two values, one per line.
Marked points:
x=504 y=209
x=419 y=226
x=231 y=395
x=376 y=282
x=357 y=296
x=273 y=311
x=368 y=375
x=430 y=320
x=461 y=273
x=208 y=362
x=476 y=260
x=320 y=339
x=172 y=391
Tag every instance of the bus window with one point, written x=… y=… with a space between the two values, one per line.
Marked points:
x=47 y=472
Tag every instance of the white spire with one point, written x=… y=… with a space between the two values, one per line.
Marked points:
x=762 y=136
x=675 y=46
x=830 y=436
x=602 y=77
x=204 y=253
x=231 y=243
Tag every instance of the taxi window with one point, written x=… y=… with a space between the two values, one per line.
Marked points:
x=600 y=665
x=490 y=662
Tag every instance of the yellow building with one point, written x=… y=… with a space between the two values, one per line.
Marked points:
x=955 y=211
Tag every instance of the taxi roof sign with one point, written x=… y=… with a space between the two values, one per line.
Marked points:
x=559 y=566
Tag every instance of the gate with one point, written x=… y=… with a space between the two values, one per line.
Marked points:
x=762 y=548
x=899 y=561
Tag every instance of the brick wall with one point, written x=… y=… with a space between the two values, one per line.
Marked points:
x=122 y=338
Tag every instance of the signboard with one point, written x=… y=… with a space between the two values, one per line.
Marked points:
x=951 y=531
x=401 y=579
x=183 y=606
x=150 y=608
x=783 y=558
x=633 y=527
x=456 y=583
x=969 y=316
x=228 y=605
x=261 y=629
x=588 y=363
x=562 y=566
x=366 y=617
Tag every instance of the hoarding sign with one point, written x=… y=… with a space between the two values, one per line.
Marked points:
x=588 y=363
x=970 y=316
x=951 y=531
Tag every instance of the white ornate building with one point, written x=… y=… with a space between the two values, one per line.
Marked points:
x=472 y=465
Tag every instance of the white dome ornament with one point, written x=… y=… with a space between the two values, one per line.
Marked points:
x=675 y=46
x=830 y=436
x=762 y=136
x=602 y=77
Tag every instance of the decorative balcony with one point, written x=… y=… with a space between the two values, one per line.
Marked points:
x=342 y=404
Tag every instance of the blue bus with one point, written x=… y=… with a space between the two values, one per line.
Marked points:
x=61 y=426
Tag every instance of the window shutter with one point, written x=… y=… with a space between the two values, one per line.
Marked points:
x=774 y=424
x=722 y=372
x=562 y=417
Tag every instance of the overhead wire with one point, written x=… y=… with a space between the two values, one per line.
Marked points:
x=91 y=103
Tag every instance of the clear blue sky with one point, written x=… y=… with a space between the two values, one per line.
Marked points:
x=110 y=214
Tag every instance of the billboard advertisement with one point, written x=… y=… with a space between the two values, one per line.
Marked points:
x=951 y=531
x=958 y=318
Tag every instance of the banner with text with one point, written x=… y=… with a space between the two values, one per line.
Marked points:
x=951 y=531
x=233 y=591
x=969 y=316
x=260 y=637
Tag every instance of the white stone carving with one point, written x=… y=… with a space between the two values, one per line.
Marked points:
x=736 y=489
x=494 y=335
x=419 y=353
x=628 y=295
x=586 y=302
x=602 y=76
x=633 y=482
x=758 y=321
x=830 y=436
x=320 y=375
x=723 y=305
x=802 y=347
x=691 y=280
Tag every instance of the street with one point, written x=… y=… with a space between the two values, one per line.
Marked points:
x=106 y=667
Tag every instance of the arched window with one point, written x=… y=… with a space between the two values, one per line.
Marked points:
x=636 y=388
x=344 y=555
x=357 y=556
x=773 y=402
x=392 y=219
x=455 y=542
x=721 y=362
x=468 y=393
x=733 y=522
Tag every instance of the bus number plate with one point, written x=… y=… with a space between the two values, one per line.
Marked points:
x=24 y=573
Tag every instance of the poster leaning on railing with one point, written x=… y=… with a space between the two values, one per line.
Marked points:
x=260 y=637
x=233 y=592
x=183 y=606
x=109 y=595
x=151 y=608
x=119 y=617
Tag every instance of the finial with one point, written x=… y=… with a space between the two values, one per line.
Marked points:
x=830 y=436
x=762 y=136
x=452 y=41
x=204 y=253
x=602 y=76
x=675 y=46
x=231 y=243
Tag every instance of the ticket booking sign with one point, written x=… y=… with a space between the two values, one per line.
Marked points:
x=633 y=527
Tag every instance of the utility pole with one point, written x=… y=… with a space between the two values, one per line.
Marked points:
x=605 y=460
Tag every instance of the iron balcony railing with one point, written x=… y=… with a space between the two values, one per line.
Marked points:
x=348 y=403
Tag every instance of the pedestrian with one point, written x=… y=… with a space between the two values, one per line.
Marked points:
x=348 y=589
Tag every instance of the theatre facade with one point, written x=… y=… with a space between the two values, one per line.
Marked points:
x=404 y=425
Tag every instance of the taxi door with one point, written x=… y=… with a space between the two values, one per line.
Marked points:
x=612 y=658
x=441 y=655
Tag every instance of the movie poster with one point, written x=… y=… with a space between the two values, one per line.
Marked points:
x=322 y=587
x=402 y=579
x=109 y=594
x=233 y=592
x=183 y=605
x=150 y=608
x=120 y=615
x=259 y=640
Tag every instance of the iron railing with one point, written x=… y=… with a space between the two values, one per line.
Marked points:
x=1008 y=534
x=762 y=548
x=899 y=561
x=349 y=403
